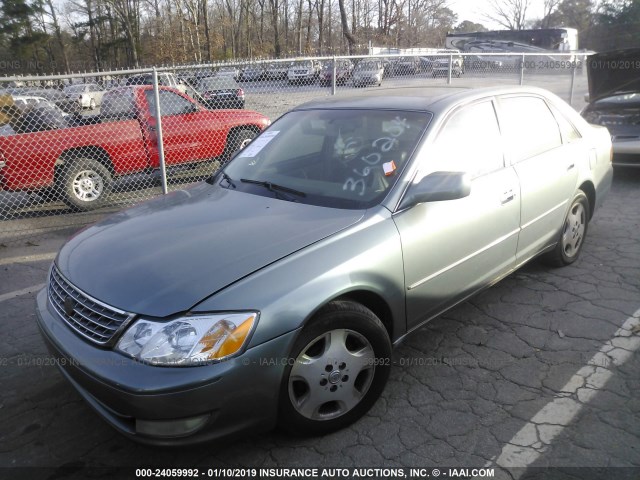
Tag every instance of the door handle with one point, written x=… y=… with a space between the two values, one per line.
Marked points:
x=570 y=167
x=507 y=197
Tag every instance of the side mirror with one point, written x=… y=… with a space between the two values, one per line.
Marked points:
x=438 y=187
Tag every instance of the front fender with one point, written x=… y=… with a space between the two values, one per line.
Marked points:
x=365 y=257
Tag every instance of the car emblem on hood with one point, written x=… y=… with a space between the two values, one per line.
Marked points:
x=69 y=306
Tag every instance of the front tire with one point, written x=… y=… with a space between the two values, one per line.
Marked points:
x=573 y=233
x=85 y=184
x=339 y=366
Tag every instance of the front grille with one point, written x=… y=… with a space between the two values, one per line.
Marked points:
x=89 y=317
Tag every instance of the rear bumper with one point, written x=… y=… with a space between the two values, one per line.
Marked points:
x=626 y=160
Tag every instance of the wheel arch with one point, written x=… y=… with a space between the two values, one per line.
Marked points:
x=590 y=191
x=371 y=300
x=248 y=126
x=90 y=151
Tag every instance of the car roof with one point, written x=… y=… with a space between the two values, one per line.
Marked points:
x=422 y=100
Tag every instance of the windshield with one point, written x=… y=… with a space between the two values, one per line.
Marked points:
x=335 y=158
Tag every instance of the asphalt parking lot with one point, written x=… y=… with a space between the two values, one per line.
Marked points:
x=541 y=370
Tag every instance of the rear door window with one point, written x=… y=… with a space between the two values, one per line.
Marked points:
x=529 y=128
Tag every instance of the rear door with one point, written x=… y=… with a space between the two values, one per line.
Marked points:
x=452 y=248
x=547 y=169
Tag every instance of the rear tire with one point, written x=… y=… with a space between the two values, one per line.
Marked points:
x=338 y=368
x=85 y=184
x=572 y=235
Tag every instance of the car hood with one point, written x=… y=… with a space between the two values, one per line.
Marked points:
x=613 y=72
x=166 y=255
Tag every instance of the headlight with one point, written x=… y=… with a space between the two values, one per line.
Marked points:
x=188 y=341
x=591 y=117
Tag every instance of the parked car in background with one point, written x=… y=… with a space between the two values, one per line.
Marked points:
x=32 y=114
x=193 y=77
x=303 y=71
x=25 y=101
x=253 y=73
x=406 y=66
x=54 y=96
x=88 y=95
x=277 y=71
x=230 y=71
x=368 y=72
x=441 y=66
x=285 y=280
x=221 y=92
x=165 y=79
x=344 y=70
x=614 y=101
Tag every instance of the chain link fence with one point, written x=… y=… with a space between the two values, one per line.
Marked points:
x=75 y=147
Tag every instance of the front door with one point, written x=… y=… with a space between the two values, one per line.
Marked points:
x=452 y=248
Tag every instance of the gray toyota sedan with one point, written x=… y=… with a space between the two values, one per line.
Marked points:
x=274 y=292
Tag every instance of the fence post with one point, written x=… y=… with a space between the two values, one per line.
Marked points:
x=333 y=77
x=522 y=70
x=158 y=115
x=573 y=79
x=450 y=67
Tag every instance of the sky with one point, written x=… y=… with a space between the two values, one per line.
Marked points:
x=474 y=10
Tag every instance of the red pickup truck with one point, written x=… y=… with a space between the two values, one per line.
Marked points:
x=79 y=162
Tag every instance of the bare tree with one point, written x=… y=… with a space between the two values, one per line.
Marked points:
x=320 y=11
x=58 y=33
x=128 y=13
x=511 y=14
x=549 y=7
x=351 y=39
x=275 y=6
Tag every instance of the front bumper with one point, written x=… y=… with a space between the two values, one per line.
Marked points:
x=626 y=152
x=169 y=405
x=366 y=80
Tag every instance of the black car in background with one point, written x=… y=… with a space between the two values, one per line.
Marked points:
x=614 y=101
x=55 y=96
x=344 y=69
x=220 y=92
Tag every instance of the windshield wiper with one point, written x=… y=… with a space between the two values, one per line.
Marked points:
x=228 y=179
x=274 y=187
x=224 y=176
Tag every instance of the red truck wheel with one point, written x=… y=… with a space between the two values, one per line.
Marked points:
x=237 y=140
x=85 y=184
